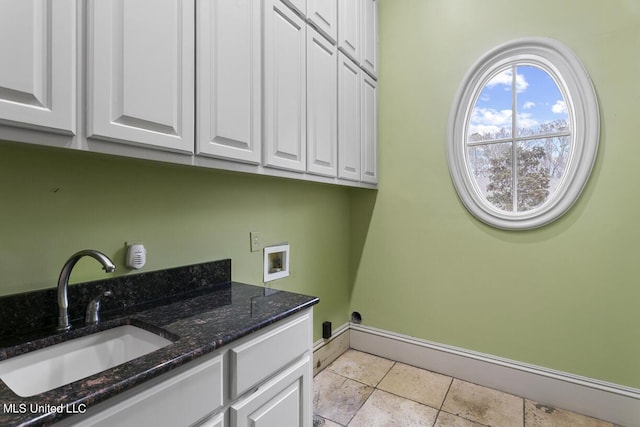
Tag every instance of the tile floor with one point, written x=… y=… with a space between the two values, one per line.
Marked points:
x=362 y=390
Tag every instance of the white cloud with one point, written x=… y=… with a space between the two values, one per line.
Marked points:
x=528 y=105
x=559 y=107
x=506 y=78
x=490 y=121
x=489 y=116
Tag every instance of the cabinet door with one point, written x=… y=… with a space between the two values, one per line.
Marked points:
x=141 y=72
x=323 y=15
x=369 y=129
x=349 y=87
x=369 y=40
x=284 y=401
x=229 y=72
x=322 y=105
x=38 y=71
x=349 y=28
x=284 y=87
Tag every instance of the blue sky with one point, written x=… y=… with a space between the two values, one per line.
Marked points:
x=538 y=101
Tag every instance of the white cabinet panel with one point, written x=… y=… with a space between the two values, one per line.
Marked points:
x=369 y=40
x=262 y=357
x=369 y=129
x=141 y=72
x=322 y=105
x=323 y=15
x=229 y=71
x=183 y=399
x=283 y=401
x=285 y=90
x=349 y=17
x=349 y=110
x=38 y=72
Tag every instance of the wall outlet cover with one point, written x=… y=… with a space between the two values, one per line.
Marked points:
x=276 y=262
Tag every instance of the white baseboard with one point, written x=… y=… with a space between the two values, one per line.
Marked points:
x=326 y=351
x=606 y=401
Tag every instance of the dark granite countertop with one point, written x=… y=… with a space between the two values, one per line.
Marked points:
x=199 y=318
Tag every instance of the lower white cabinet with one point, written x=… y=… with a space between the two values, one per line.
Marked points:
x=183 y=399
x=284 y=401
x=263 y=380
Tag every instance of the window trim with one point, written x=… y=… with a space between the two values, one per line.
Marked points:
x=573 y=81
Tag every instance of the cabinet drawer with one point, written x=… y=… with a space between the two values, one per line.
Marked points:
x=182 y=399
x=258 y=359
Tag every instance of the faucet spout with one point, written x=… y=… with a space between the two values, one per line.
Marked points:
x=63 y=282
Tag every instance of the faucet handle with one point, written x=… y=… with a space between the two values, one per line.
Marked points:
x=92 y=316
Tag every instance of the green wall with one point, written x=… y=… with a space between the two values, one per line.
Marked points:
x=56 y=202
x=565 y=296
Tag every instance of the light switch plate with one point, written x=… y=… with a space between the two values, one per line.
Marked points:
x=254 y=238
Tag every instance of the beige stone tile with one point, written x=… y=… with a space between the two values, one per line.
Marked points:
x=483 y=405
x=449 y=420
x=416 y=384
x=384 y=409
x=337 y=398
x=539 y=415
x=362 y=367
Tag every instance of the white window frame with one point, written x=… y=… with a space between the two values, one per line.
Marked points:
x=573 y=81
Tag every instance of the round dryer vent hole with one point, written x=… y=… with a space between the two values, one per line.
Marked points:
x=356 y=317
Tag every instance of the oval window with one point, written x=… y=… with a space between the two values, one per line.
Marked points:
x=523 y=134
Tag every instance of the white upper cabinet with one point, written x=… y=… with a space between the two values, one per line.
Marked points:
x=323 y=15
x=349 y=111
x=38 y=71
x=369 y=37
x=369 y=129
x=349 y=34
x=229 y=79
x=285 y=99
x=141 y=72
x=322 y=105
x=273 y=87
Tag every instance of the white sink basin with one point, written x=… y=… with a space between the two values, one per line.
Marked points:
x=45 y=369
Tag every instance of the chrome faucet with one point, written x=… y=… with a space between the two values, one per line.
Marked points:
x=63 y=282
x=92 y=314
